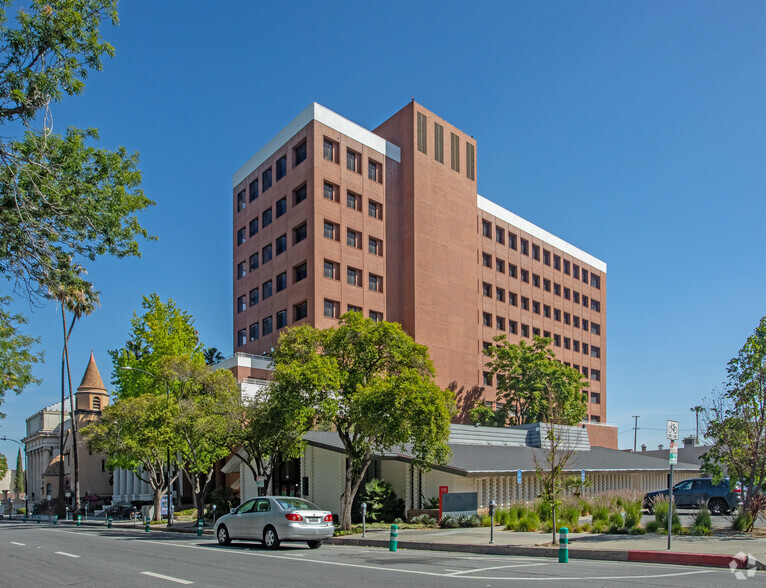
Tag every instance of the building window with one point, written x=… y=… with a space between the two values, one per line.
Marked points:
x=375 y=209
x=546 y=284
x=524 y=247
x=266 y=180
x=353 y=238
x=352 y=308
x=299 y=194
x=470 y=161
x=376 y=283
x=331 y=231
x=576 y=297
x=374 y=171
x=300 y=154
x=547 y=334
x=299 y=233
x=567 y=293
x=455 y=152
x=254 y=262
x=513 y=327
x=584 y=276
x=241 y=270
x=576 y=345
x=486 y=289
x=557 y=340
x=567 y=342
x=354 y=276
x=575 y=271
x=546 y=257
x=266 y=253
x=281 y=281
x=486 y=229
x=254 y=226
x=595 y=305
x=281 y=206
x=375 y=246
x=486 y=319
x=499 y=294
x=422 y=141
x=241 y=201
x=331 y=192
x=486 y=260
x=511 y=240
x=595 y=398
x=438 y=142
x=524 y=303
x=353 y=161
x=281 y=244
x=595 y=419
x=512 y=298
x=576 y=321
x=535 y=307
x=511 y=270
x=354 y=201
x=595 y=328
x=266 y=289
x=535 y=280
x=595 y=281
x=254 y=331
x=585 y=301
x=595 y=351
x=266 y=217
x=241 y=304
x=281 y=319
x=241 y=337
x=300 y=272
x=500 y=235
x=241 y=236
x=566 y=267
x=331 y=269
x=556 y=314
x=253 y=296
x=585 y=348
x=567 y=318
x=584 y=325
x=595 y=375
x=500 y=323
x=300 y=311
x=253 y=190
x=525 y=276
x=376 y=316
x=331 y=308
x=557 y=289
x=281 y=167
x=556 y=262
x=536 y=331
x=500 y=265
x=488 y=379
x=536 y=252
x=267 y=325
x=546 y=311
x=525 y=331
x=330 y=150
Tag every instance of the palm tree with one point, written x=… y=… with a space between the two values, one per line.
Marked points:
x=212 y=355
x=138 y=350
x=697 y=410
x=80 y=299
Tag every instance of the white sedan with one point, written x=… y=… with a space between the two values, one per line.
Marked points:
x=273 y=519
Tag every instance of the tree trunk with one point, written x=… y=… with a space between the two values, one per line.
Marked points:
x=73 y=426
x=553 y=516
x=60 y=499
x=350 y=490
x=157 y=500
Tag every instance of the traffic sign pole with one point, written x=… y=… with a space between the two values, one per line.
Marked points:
x=672 y=434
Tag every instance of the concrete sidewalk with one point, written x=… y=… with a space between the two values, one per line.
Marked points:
x=717 y=550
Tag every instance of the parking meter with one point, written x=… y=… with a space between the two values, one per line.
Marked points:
x=364 y=518
x=214 y=513
x=492 y=505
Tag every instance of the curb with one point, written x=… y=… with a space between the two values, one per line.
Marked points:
x=691 y=559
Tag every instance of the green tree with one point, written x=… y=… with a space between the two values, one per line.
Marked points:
x=18 y=481
x=372 y=384
x=163 y=331
x=3 y=467
x=531 y=382
x=17 y=355
x=212 y=355
x=208 y=418
x=736 y=420
x=135 y=432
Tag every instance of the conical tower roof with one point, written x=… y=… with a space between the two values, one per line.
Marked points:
x=92 y=378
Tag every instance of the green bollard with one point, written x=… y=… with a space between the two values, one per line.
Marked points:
x=55 y=519
x=200 y=525
x=393 y=540
x=25 y=516
x=39 y=518
x=146 y=528
x=79 y=520
x=563 y=545
x=109 y=523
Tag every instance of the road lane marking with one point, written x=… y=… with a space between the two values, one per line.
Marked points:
x=168 y=578
x=17 y=543
x=524 y=565
x=66 y=554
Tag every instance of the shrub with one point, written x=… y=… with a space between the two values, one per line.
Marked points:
x=382 y=503
x=633 y=513
x=224 y=500
x=599 y=526
x=569 y=515
x=585 y=507
x=531 y=522
x=469 y=521
x=742 y=521
x=431 y=503
x=543 y=510
x=703 y=518
x=600 y=512
x=701 y=530
x=637 y=530
x=652 y=527
x=448 y=522
x=661 y=515
x=424 y=519
x=616 y=520
x=486 y=521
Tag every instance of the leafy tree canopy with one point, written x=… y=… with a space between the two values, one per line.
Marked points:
x=534 y=385
x=17 y=356
x=162 y=332
x=736 y=419
x=18 y=482
x=371 y=383
x=3 y=466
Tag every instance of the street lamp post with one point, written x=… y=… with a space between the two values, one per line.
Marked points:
x=167 y=468
x=26 y=487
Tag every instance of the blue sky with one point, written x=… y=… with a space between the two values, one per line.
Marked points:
x=635 y=131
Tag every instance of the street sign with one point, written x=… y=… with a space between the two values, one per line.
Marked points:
x=260 y=481
x=673 y=430
x=673 y=453
x=518 y=476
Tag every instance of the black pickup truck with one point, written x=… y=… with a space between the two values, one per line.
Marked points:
x=719 y=498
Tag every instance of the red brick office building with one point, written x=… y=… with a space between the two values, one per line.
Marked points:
x=330 y=217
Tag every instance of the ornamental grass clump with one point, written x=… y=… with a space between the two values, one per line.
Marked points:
x=633 y=513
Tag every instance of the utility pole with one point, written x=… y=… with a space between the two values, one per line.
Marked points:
x=697 y=410
x=635 y=432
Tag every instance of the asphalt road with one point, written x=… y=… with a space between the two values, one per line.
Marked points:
x=44 y=555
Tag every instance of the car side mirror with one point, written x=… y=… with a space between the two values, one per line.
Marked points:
x=233 y=510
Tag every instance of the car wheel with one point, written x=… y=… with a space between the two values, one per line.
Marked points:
x=718 y=506
x=649 y=505
x=270 y=538
x=223 y=535
x=315 y=544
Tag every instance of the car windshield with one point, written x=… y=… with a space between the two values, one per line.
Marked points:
x=296 y=503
